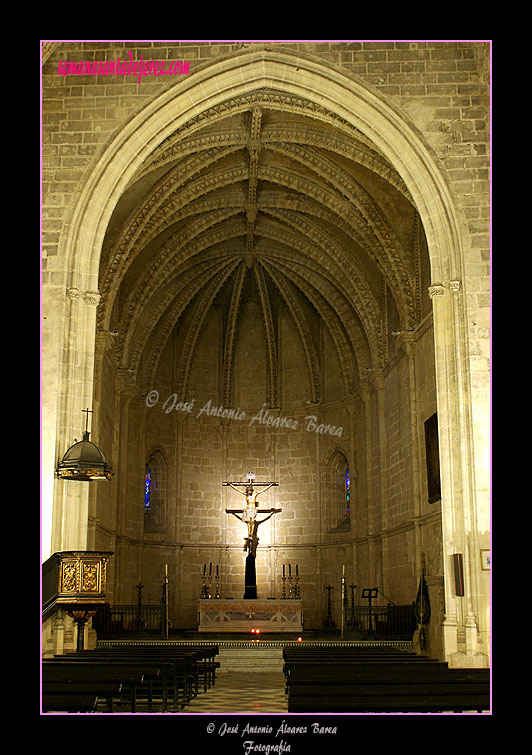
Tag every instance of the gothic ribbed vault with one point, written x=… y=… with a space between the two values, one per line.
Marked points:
x=272 y=198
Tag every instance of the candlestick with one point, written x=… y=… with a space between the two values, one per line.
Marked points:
x=204 y=593
x=296 y=588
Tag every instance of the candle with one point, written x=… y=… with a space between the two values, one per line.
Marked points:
x=289 y=570
x=343 y=570
x=166 y=570
x=210 y=569
x=204 y=569
x=283 y=570
x=216 y=569
x=297 y=570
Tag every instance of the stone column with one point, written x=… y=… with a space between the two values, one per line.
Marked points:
x=406 y=341
x=71 y=499
x=376 y=521
x=457 y=459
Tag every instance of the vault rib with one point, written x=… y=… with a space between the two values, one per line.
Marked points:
x=230 y=335
x=272 y=382
x=164 y=310
x=201 y=308
x=311 y=356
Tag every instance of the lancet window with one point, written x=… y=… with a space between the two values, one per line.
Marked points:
x=340 y=493
x=155 y=493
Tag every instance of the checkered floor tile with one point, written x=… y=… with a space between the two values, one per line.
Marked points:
x=237 y=692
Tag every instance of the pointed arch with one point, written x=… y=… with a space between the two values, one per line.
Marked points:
x=339 y=494
x=156 y=492
x=336 y=97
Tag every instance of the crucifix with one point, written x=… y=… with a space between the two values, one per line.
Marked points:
x=86 y=411
x=249 y=517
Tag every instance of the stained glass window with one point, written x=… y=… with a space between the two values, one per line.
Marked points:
x=347 y=492
x=147 y=490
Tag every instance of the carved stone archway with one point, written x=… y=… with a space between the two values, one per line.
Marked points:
x=331 y=92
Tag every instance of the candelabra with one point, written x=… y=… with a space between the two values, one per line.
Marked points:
x=352 y=623
x=296 y=587
x=329 y=622
x=206 y=583
x=139 y=623
x=204 y=591
x=293 y=592
x=166 y=621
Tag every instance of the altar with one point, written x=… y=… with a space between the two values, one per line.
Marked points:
x=276 y=615
x=250 y=613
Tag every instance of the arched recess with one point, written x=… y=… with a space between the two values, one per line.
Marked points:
x=156 y=492
x=332 y=91
x=338 y=470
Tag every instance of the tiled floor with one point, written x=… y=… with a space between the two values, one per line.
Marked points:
x=240 y=692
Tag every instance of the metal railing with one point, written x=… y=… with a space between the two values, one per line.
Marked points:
x=117 y=621
x=382 y=621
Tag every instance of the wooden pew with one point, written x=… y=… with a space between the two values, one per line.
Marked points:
x=343 y=657
x=70 y=703
x=76 y=696
x=171 y=674
x=207 y=663
x=391 y=691
x=180 y=669
x=190 y=665
x=205 y=666
x=159 y=691
x=111 y=683
x=337 y=680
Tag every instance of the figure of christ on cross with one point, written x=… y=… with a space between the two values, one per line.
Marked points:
x=249 y=514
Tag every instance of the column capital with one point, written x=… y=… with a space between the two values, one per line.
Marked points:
x=406 y=340
x=92 y=297
x=364 y=391
x=440 y=289
x=437 y=289
x=377 y=378
x=89 y=297
x=125 y=380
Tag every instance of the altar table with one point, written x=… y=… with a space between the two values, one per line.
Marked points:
x=223 y=615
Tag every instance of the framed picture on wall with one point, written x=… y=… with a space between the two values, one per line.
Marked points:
x=432 y=452
x=485 y=559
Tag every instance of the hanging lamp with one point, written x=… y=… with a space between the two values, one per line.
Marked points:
x=84 y=460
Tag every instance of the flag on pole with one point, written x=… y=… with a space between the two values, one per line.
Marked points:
x=422 y=604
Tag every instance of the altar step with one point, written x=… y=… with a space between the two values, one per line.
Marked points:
x=250 y=659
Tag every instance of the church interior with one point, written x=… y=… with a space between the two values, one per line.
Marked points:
x=265 y=351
